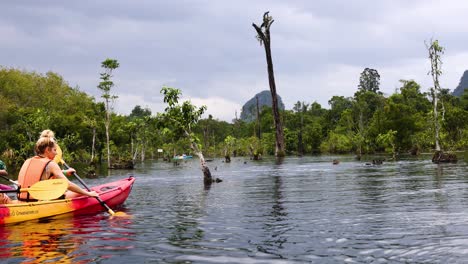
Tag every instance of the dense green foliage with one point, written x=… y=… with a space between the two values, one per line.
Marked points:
x=368 y=122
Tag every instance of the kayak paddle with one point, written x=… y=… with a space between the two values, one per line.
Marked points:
x=47 y=189
x=43 y=190
x=58 y=158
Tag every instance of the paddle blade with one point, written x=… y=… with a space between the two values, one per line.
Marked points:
x=120 y=214
x=48 y=189
x=58 y=157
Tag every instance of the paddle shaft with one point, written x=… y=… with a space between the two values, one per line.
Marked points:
x=109 y=210
x=10 y=180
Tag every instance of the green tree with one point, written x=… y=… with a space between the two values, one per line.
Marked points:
x=435 y=51
x=313 y=136
x=464 y=100
x=32 y=102
x=367 y=109
x=184 y=117
x=140 y=125
x=369 y=80
x=300 y=108
x=337 y=104
x=405 y=113
x=213 y=132
x=337 y=143
x=137 y=111
x=105 y=86
x=388 y=141
x=229 y=144
x=340 y=139
x=456 y=124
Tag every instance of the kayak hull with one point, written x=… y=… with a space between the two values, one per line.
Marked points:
x=113 y=194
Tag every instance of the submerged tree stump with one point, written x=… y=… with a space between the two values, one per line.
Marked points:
x=415 y=151
x=122 y=164
x=257 y=156
x=207 y=177
x=440 y=156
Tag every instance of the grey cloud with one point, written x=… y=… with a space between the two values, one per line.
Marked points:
x=208 y=48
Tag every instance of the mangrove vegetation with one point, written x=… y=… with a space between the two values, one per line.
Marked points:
x=89 y=131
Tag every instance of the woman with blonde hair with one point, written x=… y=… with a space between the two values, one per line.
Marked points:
x=43 y=167
x=48 y=133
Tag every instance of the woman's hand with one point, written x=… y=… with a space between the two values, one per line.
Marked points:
x=92 y=194
x=69 y=172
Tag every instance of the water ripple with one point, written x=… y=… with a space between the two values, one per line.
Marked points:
x=302 y=210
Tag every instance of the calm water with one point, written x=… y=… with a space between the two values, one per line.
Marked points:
x=303 y=210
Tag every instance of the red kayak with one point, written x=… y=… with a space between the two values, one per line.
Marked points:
x=113 y=194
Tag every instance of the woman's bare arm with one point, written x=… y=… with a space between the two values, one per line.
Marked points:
x=57 y=174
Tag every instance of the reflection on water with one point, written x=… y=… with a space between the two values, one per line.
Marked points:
x=294 y=211
x=64 y=239
x=41 y=241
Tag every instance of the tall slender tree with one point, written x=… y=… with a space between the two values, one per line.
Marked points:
x=105 y=86
x=92 y=124
x=435 y=52
x=259 y=133
x=263 y=36
x=300 y=108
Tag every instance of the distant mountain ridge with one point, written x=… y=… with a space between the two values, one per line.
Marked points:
x=249 y=110
x=462 y=85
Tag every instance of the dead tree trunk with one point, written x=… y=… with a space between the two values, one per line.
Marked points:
x=259 y=134
x=93 y=146
x=207 y=178
x=435 y=50
x=264 y=37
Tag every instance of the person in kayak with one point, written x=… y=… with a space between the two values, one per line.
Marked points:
x=48 y=133
x=43 y=167
x=3 y=170
x=4 y=199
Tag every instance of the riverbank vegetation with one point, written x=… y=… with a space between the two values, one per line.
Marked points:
x=368 y=122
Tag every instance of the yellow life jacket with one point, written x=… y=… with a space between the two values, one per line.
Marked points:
x=30 y=173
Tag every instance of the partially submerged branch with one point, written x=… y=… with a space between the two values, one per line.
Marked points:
x=183 y=117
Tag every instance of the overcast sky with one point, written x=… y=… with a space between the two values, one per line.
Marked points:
x=208 y=49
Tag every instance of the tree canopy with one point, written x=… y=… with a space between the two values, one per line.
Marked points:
x=366 y=123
